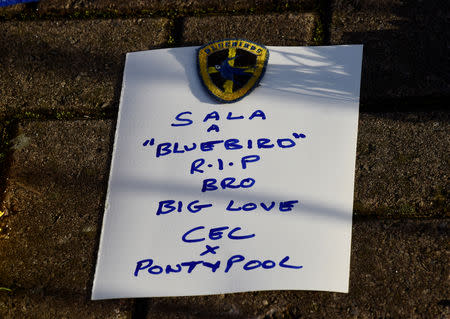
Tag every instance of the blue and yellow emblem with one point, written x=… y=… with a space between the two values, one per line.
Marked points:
x=230 y=69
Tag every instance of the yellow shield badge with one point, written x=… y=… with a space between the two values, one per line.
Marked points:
x=230 y=69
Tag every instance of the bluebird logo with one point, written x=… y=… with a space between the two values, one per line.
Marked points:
x=230 y=69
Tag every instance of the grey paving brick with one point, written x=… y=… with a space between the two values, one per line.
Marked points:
x=53 y=204
x=78 y=65
x=272 y=29
x=35 y=304
x=12 y=10
x=405 y=45
x=403 y=164
x=399 y=269
x=178 y=6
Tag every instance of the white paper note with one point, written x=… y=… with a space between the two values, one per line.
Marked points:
x=260 y=201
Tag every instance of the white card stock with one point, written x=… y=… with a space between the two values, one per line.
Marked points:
x=209 y=198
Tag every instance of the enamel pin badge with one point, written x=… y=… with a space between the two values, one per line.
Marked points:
x=230 y=69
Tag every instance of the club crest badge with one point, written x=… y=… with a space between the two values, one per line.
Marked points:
x=230 y=69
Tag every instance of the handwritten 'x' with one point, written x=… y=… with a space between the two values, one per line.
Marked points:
x=210 y=249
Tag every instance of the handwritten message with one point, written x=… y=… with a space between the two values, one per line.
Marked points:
x=198 y=166
x=206 y=198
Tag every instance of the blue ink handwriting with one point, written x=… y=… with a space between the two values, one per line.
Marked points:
x=198 y=163
x=282 y=206
x=168 y=206
x=167 y=148
x=209 y=184
x=154 y=269
x=215 y=234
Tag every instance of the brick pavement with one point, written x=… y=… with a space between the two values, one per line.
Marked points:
x=404 y=55
x=57 y=136
x=46 y=64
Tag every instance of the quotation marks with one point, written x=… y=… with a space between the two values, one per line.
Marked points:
x=167 y=148
x=296 y=135
x=149 y=142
